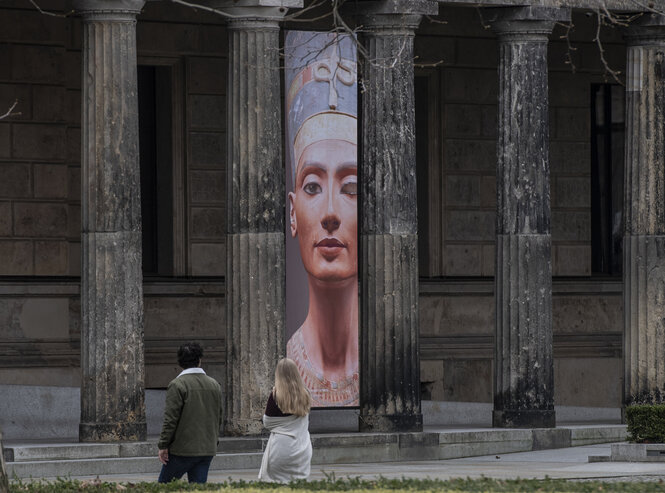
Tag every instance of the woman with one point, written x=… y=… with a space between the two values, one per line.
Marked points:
x=322 y=107
x=288 y=452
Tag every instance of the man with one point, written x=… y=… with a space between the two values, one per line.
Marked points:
x=192 y=420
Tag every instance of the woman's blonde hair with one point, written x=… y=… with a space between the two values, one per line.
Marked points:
x=291 y=395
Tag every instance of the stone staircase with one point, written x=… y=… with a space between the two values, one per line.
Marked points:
x=51 y=460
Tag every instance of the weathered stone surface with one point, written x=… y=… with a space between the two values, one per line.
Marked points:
x=207 y=149
x=206 y=75
x=37 y=219
x=15 y=180
x=571 y=226
x=208 y=259
x=523 y=363
x=389 y=352
x=207 y=223
x=48 y=103
x=39 y=63
x=463 y=120
x=255 y=277
x=5 y=218
x=207 y=186
x=462 y=190
x=467 y=380
x=16 y=258
x=470 y=155
x=462 y=260
x=571 y=192
x=644 y=226
x=51 y=258
x=38 y=141
x=112 y=356
x=112 y=391
x=593 y=382
x=207 y=112
x=50 y=181
x=5 y=147
x=471 y=225
x=571 y=260
x=457 y=315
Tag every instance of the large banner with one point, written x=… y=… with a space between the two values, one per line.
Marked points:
x=322 y=215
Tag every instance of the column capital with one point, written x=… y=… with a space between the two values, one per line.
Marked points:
x=393 y=14
x=525 y=21
x=253 y=10
x=646 y=29
x=110 y=10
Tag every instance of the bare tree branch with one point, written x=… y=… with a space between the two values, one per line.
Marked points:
x=601 y=50
x=10 y=110
x=46 y=12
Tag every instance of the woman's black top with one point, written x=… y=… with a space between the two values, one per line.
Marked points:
x=272 y=409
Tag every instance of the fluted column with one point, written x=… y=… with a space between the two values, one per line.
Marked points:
x=112 y=360
x=255 y=268
x=644 y=236
x=389 y=349
x=523 y=363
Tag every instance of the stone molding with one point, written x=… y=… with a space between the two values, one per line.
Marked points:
x=525 y=23
x=109 y=10
x=646 y=30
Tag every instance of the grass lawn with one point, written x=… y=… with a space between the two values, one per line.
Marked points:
x=351 y=485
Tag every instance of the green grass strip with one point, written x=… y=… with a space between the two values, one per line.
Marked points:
x=351 y=485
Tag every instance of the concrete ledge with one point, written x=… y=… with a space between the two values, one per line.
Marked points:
x=638 y=452
x=52 y=460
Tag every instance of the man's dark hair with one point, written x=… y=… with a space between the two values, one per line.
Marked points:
x=189 y=355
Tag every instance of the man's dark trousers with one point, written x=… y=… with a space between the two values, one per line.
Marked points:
x=195 y=467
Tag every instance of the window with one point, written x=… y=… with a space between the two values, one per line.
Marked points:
x=607 y=156
x=155 y=89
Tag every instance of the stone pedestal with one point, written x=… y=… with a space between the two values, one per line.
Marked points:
x=389 y=349
x=112 y=359
x=644 y=206
x=255 y=268
x=523 y=363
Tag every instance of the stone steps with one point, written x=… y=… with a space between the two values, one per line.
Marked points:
x=75 y=459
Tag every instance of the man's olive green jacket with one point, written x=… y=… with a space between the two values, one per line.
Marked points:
x=192 y=416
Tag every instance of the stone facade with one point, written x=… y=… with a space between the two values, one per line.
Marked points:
x=456 y=59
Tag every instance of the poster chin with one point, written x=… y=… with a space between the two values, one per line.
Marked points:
x=322 y=218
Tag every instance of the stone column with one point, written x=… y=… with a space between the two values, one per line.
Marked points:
x=112 y=360
x=255 y=267
x=389 y=348
x=644 y=206
x=523 y=363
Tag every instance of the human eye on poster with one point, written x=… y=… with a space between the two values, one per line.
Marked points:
x=322 y=217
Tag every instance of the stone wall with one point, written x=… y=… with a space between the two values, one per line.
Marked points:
x=40 y=204
x=462 y=181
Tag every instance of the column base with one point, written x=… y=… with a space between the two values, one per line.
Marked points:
x=516 y=418
x=386 y=423
x=244 y=427
x=113 y=432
